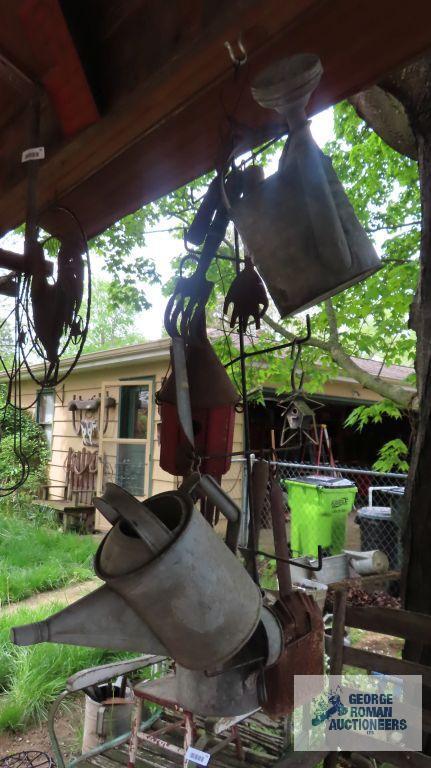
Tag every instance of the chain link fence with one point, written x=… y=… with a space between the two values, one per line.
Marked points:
x=339 y=508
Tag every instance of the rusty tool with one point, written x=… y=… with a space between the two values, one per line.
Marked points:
x=301 y=620
x=248 y=296
x=191 y=294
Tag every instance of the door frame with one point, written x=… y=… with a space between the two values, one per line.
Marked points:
x=148 y=381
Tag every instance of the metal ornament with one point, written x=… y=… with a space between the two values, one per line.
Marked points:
x=248 y=297
x=298 y=224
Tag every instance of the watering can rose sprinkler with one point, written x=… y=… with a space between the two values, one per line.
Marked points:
x=298 y=224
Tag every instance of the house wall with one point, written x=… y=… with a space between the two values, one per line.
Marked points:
x=88 y=383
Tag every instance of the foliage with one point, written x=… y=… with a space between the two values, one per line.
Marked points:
x=111 y=325
x=121 y=248
x=392 y=457
x=34 y=448
x=31 y=678
x=34 y=558
x=364 y=414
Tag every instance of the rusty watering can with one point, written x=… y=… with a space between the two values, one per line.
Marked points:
x=298 y=224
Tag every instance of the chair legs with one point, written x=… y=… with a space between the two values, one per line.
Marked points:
x=136 y=722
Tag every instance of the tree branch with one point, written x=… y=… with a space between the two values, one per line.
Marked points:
x=400 y=395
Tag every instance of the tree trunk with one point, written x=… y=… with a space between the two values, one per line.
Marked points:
x=417 y=538
x=413 y=88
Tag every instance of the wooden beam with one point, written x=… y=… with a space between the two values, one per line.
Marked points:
x=390 y=621
x=173 y=127
x=376 y=662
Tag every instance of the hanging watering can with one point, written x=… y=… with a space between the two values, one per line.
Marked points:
x=298 y=224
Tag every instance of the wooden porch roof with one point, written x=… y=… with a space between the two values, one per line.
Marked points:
x=139 y=96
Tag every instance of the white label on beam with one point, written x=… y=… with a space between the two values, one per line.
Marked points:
x=34 y=153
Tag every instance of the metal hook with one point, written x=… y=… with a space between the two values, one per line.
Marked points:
x=296 y=352
x=238 y=62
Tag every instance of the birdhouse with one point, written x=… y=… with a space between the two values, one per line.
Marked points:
x=299 y=415
x=299 y=421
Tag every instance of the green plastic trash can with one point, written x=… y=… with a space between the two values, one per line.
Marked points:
x=319 y=508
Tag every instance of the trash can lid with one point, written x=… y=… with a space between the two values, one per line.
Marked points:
x=327 y=482
x=397 y=490
x=375 y=513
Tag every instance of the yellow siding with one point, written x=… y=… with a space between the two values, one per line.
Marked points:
x=88 y=383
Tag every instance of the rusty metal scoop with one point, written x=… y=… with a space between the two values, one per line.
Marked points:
x=248 y=296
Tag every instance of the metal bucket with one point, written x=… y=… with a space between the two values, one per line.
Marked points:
x=195 y=595
x=230 y=693
x=104 y=720
x=237 y=688
x=298 y=225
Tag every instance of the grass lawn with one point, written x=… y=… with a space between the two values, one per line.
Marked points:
x=34 y=558
x=31 y=678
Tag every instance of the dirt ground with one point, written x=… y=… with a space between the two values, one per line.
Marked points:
x=68 y=725
x=371 y=641
x=68 y=732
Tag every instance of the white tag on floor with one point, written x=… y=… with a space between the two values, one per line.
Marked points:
x=196 y=756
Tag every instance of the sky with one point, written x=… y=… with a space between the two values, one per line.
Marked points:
x=163 y=248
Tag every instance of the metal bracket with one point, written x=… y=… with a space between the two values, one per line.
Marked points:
x=270 y=556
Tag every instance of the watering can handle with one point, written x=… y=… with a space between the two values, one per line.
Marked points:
x=215 y=493
x=116 y=502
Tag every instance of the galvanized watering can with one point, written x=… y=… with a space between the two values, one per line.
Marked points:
x=298 y=225
x=185 y=591
x=173 y=587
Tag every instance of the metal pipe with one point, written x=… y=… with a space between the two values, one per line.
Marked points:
x=350 y=470
x=251 y=563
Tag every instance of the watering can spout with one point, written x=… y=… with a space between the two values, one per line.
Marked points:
x=99 y=620
x=30 y=634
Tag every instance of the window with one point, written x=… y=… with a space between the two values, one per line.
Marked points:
x=134 y=402
x=125 y=445
x=45 y=412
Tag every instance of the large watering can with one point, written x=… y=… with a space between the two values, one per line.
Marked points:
x=173 y=587
x=188 y=593
x=298 y=224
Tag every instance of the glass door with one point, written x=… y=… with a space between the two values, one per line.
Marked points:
x=125 y=446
